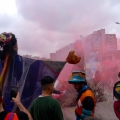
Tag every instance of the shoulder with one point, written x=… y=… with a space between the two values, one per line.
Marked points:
x=88 y=93
x=3 y=115
x=21 y=115
x=33 y=103
x=54 y=101
x=35 y=100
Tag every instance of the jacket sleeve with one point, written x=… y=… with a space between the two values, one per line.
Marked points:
x=56 y=92
x=88 y=105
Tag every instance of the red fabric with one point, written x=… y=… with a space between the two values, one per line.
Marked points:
x=8 y=116
x=4 y=69
x=13 y=118
x=117 y=108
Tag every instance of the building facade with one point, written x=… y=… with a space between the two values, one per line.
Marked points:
x=92 y=49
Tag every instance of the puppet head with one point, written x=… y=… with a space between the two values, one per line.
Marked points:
x=72 y=58
x=8 y=45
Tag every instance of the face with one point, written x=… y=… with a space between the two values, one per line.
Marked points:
x=15 y=47
x=77 y=87
x=51 y=88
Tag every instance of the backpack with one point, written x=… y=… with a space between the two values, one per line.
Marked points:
x=11 y=116
x=116 y=93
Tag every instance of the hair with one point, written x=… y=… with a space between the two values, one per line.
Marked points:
x=45 y=81
x=8 y=48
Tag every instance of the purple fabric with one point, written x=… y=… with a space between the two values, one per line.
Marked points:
x=11 y=116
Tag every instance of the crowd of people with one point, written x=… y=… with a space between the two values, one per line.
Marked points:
x=44 y=107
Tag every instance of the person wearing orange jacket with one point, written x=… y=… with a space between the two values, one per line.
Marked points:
x=85 y=100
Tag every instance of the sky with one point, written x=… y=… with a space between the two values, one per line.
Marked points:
x=44 y=26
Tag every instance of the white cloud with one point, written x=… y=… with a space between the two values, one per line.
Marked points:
x=8 y=7
x=44 y=26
